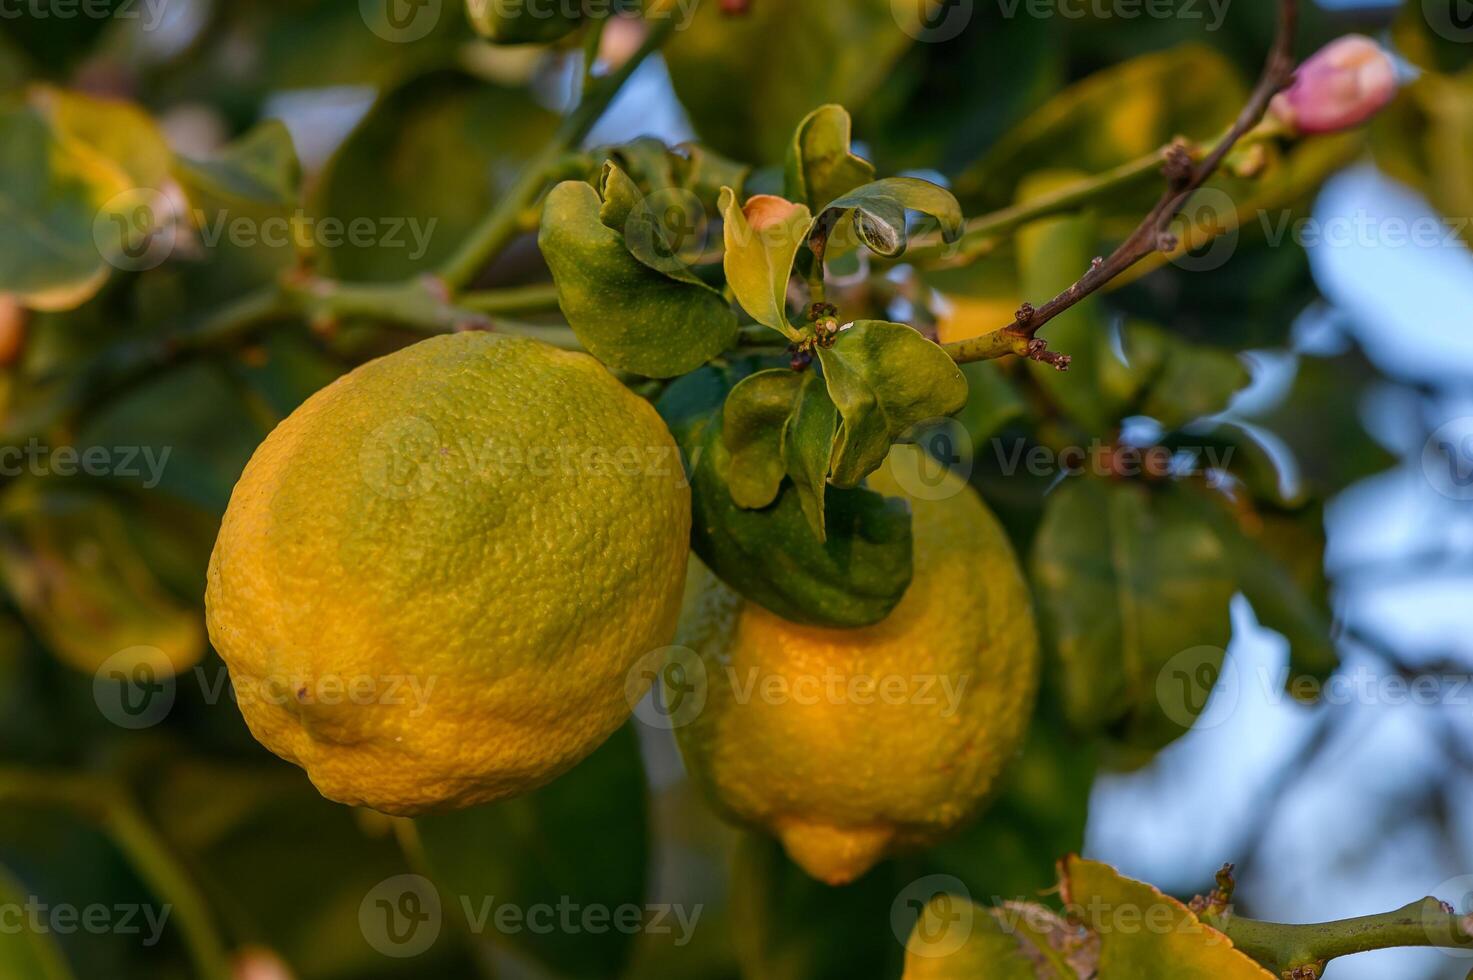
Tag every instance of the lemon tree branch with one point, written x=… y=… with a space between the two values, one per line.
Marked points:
x=1184 y=176
x=503 y=222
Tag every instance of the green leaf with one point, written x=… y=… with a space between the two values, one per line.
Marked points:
x=820 y=165
x=1182 y=381
x=785 y=59
x=756 y=417
x=254 y=183
x=1128 y=579
x=956 y=939
x=54 y=197
x=704 y=172
x=762 y=242
x=879 y=211
x=69 y=565
x=992 y=402
x=422 y=168
x=1278 y=558
x=646 y=233
x=520 y=22
x=260 y=168
x=626 y=314
x=884 y=378
x=583 y=841
x=1177 y=945
x=807 y=446
x=1113 y=116
x=1320 y=420
x=853 y=578
x=27 y=953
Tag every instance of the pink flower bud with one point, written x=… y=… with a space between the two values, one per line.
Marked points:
x=1341 y=85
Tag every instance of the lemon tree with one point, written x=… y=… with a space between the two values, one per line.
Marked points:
x=893 y=426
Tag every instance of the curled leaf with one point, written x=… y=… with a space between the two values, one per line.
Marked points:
x=625 y=313
x=879 y=208
x=821 y=166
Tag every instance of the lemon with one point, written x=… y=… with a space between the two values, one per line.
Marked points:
x=850 y=745
x=433 y=577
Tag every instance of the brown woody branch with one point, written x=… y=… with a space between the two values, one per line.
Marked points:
x=1183 y=176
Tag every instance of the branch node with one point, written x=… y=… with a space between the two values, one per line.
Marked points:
x=1037 y=350
x=1179 y=169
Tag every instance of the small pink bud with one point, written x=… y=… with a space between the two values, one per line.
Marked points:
x=1340 y=86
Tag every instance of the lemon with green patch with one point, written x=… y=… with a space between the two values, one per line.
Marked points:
x=434 y=576
x=851 y=745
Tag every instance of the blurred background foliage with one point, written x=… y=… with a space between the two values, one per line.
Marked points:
x=303 y=109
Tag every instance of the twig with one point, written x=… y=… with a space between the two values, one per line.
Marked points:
x=1184 y=176
x=1303 y=950
x=503 y=223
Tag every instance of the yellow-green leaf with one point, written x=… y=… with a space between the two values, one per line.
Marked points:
x=762 y=242
x=1147 y=935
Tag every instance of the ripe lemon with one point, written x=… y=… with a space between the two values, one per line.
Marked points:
x=850 y=745
x=433 y=577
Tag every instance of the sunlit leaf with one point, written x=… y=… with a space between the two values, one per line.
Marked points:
x=52 y=199
x=879 y=211
x=1167 y=942
x=762 y=242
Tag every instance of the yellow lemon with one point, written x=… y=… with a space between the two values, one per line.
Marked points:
x=433 y=576
x=850 y=745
